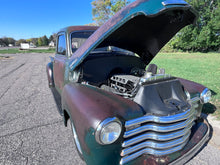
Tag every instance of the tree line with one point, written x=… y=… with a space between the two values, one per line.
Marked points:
x=6 y=41
x=41 y=41
x=203 y=36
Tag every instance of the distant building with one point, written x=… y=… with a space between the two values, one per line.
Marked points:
x=51 y=44
x=25 y=46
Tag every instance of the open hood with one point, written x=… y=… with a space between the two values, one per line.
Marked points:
x=143 y=27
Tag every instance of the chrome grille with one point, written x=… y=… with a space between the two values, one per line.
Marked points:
x=157 y=135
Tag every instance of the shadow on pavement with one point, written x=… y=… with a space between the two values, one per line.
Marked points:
x=57 y=99
x=209 y=108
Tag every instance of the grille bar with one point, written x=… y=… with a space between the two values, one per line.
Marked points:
x=151 y=151
x=157 y=119
x=157 y=136
x=156 y=145
x=159 y=128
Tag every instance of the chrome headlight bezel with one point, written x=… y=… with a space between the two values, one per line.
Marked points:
x=206 y=95
x=104 y=124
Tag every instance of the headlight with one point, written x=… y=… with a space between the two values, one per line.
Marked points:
x=206 y=95
x=108 y=131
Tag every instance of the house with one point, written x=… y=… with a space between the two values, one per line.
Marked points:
x=51 y=44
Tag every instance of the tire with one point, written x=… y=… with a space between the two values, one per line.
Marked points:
x=76 y=140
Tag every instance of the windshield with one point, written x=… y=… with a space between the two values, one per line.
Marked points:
x=108 y=49
x=78 y=38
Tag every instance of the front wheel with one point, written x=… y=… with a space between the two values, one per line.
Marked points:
x=76 y=140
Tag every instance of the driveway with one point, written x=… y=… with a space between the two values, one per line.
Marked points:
x=31 y=129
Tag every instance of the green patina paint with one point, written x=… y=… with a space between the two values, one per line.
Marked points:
x=101 y=154
x=66 y=72
x=135 y=112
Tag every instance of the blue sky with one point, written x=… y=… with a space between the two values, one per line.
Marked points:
x=35 y=18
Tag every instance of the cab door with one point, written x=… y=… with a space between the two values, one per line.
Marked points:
x=59 y=61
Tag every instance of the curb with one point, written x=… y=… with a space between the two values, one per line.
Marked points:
x=215 y=139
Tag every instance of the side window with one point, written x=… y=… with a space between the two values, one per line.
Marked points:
x=61 y=46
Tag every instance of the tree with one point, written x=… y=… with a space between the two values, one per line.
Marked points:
x=205 y=36
x=102 y=10
x=91 y=24
x=51 y=38
x=5 y=41
x=20 y=41
x=34 y=41
x=29 y=40
x=39 y=42
x=2 y=43
x=11 y=41
x=45 y=41
x=118 y=5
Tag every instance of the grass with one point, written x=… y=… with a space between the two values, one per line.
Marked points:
x=16 y=50
x=203 y=68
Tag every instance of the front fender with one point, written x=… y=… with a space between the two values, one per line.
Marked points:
x=192 y=87
x=87 y=107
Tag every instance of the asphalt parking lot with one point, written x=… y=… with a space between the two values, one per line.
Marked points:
x=31 y=129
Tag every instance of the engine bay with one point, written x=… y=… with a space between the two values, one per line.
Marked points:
x=127 y=85
x=154 y=90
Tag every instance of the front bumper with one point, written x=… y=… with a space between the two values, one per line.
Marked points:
x=199 y=136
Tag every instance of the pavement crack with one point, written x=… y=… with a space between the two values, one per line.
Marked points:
x=28 y=97
x=5 y=92
x=9 y=87
x=13 y=119
x=26 y=160
x=13 y=70
x=31 y=128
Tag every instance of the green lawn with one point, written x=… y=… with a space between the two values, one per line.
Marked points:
x=203 y=68
x=14 y=51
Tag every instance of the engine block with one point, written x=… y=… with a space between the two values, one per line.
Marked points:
x=124 y=83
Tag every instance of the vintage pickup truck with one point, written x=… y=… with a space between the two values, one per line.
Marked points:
x=122 y=108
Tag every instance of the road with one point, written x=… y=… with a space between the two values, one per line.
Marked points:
x=31 y=129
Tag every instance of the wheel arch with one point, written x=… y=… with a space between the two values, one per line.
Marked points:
x=66 y=117
x=49 y=70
